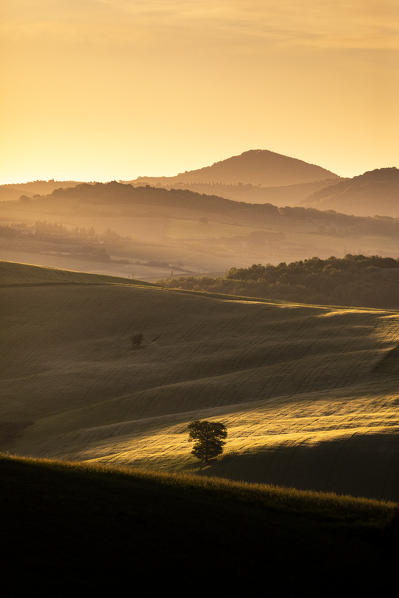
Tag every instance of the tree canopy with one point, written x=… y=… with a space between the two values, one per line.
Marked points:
x=209 y=439
x=369 y=281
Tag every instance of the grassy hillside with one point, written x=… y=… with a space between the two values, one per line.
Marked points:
x=70 y=528
x=12 y=273
x=309 y=393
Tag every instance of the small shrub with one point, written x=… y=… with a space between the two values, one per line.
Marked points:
x=137 y=340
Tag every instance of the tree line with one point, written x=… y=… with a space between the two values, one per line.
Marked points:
x=358 y=280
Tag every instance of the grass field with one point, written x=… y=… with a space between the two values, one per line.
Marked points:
x=13 y=273
x=74 y=529
x=309 y=394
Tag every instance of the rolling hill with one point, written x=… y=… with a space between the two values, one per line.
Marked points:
x=308 y=393
x=15 y=274
x=254 y=167
x=283 y=195
x=374 y=192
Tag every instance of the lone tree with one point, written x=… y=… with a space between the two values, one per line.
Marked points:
x=136 y=340
x=209 y=439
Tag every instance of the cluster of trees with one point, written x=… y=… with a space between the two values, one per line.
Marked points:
x=370 y=281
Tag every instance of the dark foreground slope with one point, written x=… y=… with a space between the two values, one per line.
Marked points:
x=84 y=530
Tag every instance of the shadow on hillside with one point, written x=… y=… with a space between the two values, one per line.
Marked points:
x=365 y=465
x=389 y=363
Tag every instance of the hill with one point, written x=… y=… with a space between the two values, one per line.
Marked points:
x=308 y=393
x=98 y=529
x=355 y=280
x=146 y=232
x=12 y=274
x=283 y=195
x=255 y=167
x=374 y=192
x=14 y=191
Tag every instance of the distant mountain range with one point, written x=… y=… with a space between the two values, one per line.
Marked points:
x=254 y=167
x=260 y=177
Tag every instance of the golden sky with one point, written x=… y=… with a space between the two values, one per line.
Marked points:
x=113 y=89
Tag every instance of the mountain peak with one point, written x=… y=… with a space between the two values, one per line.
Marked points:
x=257 y=167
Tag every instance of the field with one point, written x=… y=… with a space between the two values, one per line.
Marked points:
x=309 y=394
x=100 y=530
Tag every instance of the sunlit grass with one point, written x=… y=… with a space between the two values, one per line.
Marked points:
x=308 y=420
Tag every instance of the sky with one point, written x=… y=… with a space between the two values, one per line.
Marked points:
x=114 y=89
